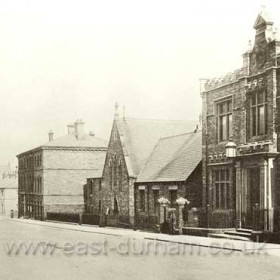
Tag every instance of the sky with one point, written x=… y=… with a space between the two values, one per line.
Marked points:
x=64 y=60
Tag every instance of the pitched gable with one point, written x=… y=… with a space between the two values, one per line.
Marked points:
x=139 y=137
x=173 y=158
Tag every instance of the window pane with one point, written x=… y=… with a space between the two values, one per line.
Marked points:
x=260 y=97
x=253 y=99
x=223 y=128
x=222 y=196
x=217 y=175
x=156 y=197
x=254 y=121
x=261 y=120
x=229 y=106
x=142 y=200
x=223 y=175
x=228 y=197
x=230 y=125
x=217 y=196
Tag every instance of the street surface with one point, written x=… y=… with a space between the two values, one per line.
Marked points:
x=70 y=254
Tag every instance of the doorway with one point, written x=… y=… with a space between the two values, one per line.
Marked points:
x=251 y=195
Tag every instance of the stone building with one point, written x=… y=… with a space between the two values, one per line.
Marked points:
x=8 y=194
x=5 y=169
x=51 y=177
x=173 y=170
x=130 y=145
x=241 y=112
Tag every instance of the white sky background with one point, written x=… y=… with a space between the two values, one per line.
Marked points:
x=62 y=60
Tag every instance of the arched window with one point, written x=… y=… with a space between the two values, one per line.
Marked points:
x=120 y=174
x=110 y=174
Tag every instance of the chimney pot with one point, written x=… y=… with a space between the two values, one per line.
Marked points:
x=50 y=135
x=79 y=129
x=71 y=129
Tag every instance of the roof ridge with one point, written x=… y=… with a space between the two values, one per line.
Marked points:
x=164 y=120
x=177 y=135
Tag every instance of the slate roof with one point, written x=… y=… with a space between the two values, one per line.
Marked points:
x=9 y=183
x=173 y=158
x=71 y=141
x=5 y=169
x=139 y=137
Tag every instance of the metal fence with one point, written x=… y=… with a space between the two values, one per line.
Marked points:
x=63 y=217
x=90 y=219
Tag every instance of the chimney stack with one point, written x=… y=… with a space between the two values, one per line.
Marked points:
x=71 y=129
x=50 y=135
x=79 y=129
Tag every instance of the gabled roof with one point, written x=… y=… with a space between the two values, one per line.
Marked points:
x=9 y=183
x=173 y=158
x=139 y=136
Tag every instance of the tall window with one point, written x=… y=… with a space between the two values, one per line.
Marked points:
x=173 y=197
x=258 y=113
x=120 y=174
x=142 y=200
x=111 y=174
x=221 y=194
x=224 y=122
x=156 y=197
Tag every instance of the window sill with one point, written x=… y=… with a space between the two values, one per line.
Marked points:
x=258 y=138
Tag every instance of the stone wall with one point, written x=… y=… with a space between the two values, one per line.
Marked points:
x=190 y=189
x=116 y=185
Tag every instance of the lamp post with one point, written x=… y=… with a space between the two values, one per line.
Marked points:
x=231 y=150
x=231 y=154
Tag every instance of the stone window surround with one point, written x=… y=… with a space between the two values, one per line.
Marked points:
x=256 y=106
x=228 y=114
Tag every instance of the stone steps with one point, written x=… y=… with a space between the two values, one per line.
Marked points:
x=228 y=236
x=238 y=233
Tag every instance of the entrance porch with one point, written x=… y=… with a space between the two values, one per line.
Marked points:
x=254 y=195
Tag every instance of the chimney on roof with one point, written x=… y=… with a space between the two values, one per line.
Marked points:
x=124 y=112
x=71 y=129
x=50 y=135
x=79 y=129
x=246 y=59
x=116 y=116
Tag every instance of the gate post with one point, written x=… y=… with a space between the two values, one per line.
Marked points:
x=163 y=202
x=181 y=202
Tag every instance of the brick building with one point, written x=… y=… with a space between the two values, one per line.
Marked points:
x=173 y=170
x=131 y=143
x=51 y=177
x=243 y=108
x=8 y=194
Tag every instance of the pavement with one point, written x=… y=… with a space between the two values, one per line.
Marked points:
x=47 y=250
x=208 y=242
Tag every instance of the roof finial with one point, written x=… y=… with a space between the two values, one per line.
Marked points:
x=116 y=110
x=124 y=112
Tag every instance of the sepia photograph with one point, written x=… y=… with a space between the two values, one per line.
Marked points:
x=140 y=139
